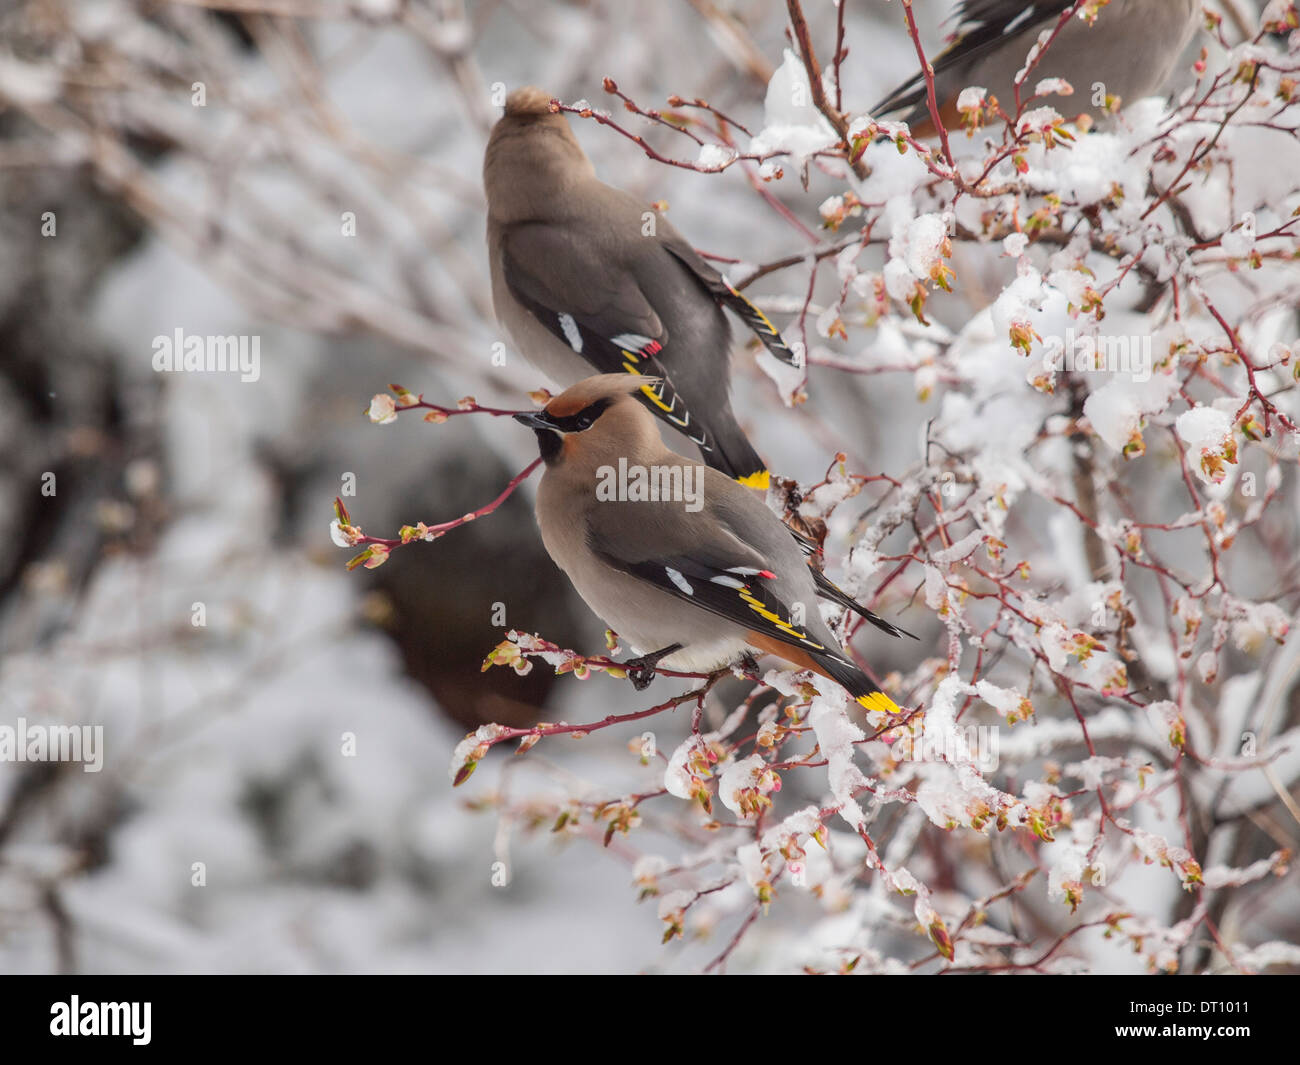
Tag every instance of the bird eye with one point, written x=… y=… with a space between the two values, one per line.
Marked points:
x=584 y=421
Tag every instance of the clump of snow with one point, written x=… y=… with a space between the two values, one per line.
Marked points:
x=752 y=864
x=472 y=748
x=836 y=736
x=1239 y=241
x=1118 y=409
x=1014 y=244
x=1038 y=120
x=916 y=251
x=715 y=156
x=1207 y=432
x=683 y=775
x=791 y=123
x=1053 y=87
x=746 y=775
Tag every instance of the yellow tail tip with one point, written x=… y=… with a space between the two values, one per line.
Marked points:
x=879 y=701
x=759 y=480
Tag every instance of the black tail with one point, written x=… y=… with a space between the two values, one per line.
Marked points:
x=721 y=442
x=727 y=295
x=864 y=690
x=828 y=589
x=910 y=96
x=732 y=453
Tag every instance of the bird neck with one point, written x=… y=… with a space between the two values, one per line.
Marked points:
x=532 y=169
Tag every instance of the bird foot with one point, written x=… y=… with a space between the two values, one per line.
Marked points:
x=641 y=671
x=748 y=666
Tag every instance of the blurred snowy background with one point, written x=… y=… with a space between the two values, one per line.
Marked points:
x=275 y=794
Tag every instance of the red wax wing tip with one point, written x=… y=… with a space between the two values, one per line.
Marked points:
x=767 y=573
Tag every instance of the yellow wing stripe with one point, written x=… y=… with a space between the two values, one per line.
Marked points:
x=777 y=620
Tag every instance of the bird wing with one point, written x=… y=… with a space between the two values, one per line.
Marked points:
x=983 y=25
x=713 y=566
x=726 y=294
x=738 y=592
x=744 y=594
x=705 y=564
x=603 y=316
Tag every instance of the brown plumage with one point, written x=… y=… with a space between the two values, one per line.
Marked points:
x=695 y=580
x=589 y=279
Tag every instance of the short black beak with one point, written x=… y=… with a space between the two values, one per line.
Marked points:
x=536 y=422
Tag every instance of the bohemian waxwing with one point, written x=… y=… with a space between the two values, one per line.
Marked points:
x=586 y=277
x=1128 y=53
x=691 y=569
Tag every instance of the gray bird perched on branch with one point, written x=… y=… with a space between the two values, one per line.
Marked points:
x=587 y=278
x=1127 y=52
x=693 y=571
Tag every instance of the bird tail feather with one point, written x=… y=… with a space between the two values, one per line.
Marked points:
x=735 y=456
x=863 y=689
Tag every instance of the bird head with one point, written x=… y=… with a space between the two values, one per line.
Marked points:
x=532 y=156
x=598 y=417
x=528 y=101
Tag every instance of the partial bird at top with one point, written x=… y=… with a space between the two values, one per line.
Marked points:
x=588 y=279
x=1127 y=53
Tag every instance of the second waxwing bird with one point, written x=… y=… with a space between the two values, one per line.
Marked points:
x=587 y=279
x=1129 y=52
x=695 y=572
